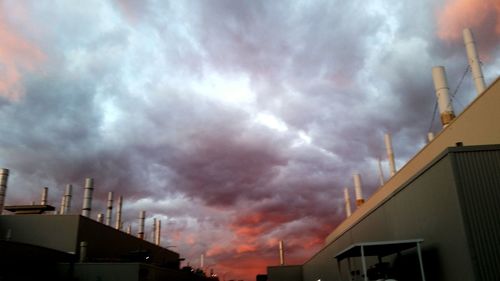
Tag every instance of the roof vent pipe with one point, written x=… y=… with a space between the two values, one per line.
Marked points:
x=442 y=94
x=142 y=219
x=61 y=210
x=347 y=200
x=390 y=154
x=87 y=197
x=100 y=217
x=4 y=176
x=45 y=193
x=357 y=190
x=118 y=223
x=67 y=198
x=473 y=57
x=153 y=236
x=430 y=136
x=158 y=232
x=109 y=209
x=129 y=229
x=380 y=173
x=282 y=252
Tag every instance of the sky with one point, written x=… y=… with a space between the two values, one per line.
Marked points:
x=237 y=123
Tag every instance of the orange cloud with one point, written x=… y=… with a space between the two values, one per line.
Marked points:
x=458 y=14
x=16 y=56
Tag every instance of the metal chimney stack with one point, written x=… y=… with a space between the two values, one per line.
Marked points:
x=347 y=200
x=87 y=197
x=142 y=219
x=118 y=223
x=45 y=193
x=66 y=206
x=357 y=190
x=109 y=209
x=4 y=176
x=390 y=154
x=442 y=94
x=474 y=62
x=158 y=232
x=282 y=252
x=381 y=173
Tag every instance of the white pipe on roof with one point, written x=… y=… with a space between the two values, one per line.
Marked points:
x=45 y=193
x=442 y=94
x=118 y=223
x=347 y=200
x=87 y=197
x=158 y=232
x=142 y=219
x=282 y=252
x=109 y=209
x=390 y=154
x=357 y=190
x=473 y=57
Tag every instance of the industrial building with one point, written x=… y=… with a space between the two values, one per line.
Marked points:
x=437 y=218
x=36 y=244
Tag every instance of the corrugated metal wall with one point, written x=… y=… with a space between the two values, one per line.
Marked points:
x=478 y=188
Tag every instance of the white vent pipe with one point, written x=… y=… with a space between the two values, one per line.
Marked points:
x=142 y=219
x=109 y=209
x=430 y=136
x=4 y=176
x=158 y=232
x=129 y=229
x=67 y=198
x=153 y=236
x=357 y=190
x=347 y=200
x=45 y=194
x=390 y=154
x=100 y=217
x=61 y=210
x=83 y=251
x=282 y=252
x=381 y=173
x=473 y=57
x=118 y=223
x=87 y=197
x=443 y=96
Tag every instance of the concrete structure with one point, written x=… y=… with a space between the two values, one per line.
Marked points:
x=447 y=195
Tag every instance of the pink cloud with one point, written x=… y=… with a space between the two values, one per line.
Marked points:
x=458 y=14
x=16 y=56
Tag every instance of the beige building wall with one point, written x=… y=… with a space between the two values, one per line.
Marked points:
x=478 y=124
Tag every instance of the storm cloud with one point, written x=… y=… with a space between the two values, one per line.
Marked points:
x=238 y=123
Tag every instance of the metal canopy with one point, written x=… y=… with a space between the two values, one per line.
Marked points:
x=379 y=249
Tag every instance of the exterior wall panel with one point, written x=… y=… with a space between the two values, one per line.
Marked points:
x=478 y=174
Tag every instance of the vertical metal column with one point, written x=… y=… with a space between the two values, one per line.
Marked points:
x=420 y=261
x=363 y=262
x=4 y=175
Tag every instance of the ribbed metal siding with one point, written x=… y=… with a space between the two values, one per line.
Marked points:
x=478 y=187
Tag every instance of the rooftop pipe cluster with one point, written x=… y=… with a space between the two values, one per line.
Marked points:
x=446 y=112
x=65 y=207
